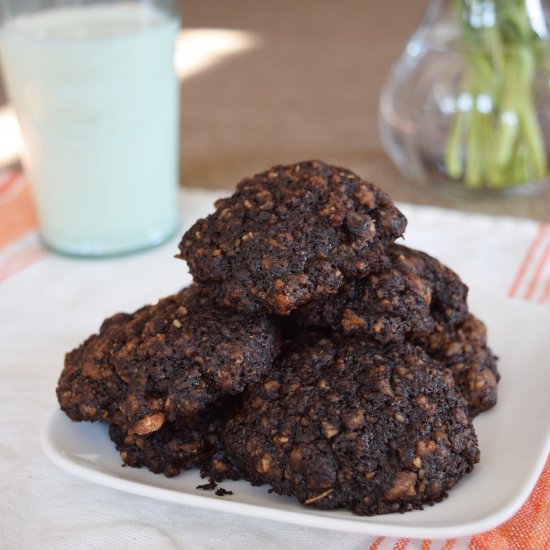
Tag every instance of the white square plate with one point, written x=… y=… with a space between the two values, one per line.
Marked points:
x=514 y=439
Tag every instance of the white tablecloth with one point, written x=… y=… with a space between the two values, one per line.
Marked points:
x=50 y=303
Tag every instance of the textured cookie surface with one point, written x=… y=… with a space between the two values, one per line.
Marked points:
x=465 y=352
x=405 y=298
x=448 y=304
x=291 y=234
x=345 y=423
x=165 y=361
x=418 y=299
x=175 y=446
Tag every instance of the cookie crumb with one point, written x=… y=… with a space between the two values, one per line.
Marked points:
x=210 y=486
x=221 y=492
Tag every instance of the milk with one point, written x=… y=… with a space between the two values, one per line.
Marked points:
x=96 y=96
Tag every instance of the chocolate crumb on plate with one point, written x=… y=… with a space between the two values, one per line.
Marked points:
x=221 y=492
x=210 y=486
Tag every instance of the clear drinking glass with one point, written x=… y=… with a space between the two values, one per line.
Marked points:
x=96 y=95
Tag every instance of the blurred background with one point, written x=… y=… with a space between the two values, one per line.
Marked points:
x=306 y=86
x=265 y=82
x=297 y=80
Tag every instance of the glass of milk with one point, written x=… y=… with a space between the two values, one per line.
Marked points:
x=95 y=91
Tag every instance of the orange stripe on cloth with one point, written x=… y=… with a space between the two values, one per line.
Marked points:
x=21 y=262
x=538 y=272
x=546 y=292
x=528 y=529
x=376 y=543
x=527 y=260
x=401 y=544
x=7 y=182
x=17 y=212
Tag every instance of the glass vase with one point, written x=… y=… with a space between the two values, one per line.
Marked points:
x=466 y=108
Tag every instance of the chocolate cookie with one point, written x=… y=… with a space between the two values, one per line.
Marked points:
x=170 y=449
x=289 y=235
x=165 y=361
x=89 y=386
x=407 y=297
x=448 y=305
x=348 y=423
x=175 y=446
x=465 y=352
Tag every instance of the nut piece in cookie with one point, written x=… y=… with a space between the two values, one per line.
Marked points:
x=289 y=235
x=348 y=423
x=407 y=297
x=175 y=446
x=168 y=450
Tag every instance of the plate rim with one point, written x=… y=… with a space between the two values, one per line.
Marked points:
x=317 y=518
x=296 y=517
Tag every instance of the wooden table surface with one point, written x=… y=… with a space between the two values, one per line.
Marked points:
x=309 y=90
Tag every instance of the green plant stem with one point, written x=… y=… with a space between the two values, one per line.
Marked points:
x=495 y=139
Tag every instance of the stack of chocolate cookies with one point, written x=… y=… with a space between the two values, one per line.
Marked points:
x=312 y=353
